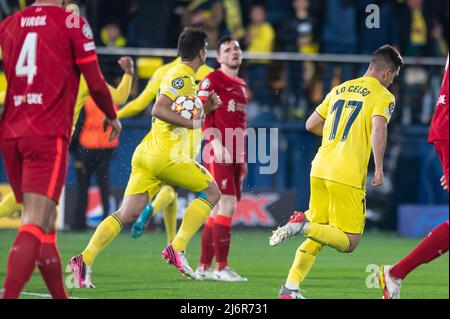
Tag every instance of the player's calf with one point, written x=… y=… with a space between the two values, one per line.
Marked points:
x=131 y=208
x=354 y=242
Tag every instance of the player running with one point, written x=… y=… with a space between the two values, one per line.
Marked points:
x=227 y=163
x=352 y=119
x=8 y=204
x=167 y=199
x=43 y=57
x=159 y=160
x=436 y=243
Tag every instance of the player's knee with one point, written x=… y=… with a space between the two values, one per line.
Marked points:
x=169 y=191
x=352 y=247
x=127 y=216
x=228 y=205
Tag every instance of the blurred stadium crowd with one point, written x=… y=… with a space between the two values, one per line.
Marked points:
x=288 y=90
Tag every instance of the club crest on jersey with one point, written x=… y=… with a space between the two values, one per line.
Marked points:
x=206 y=84
x=87 y=32
x=390 y=110
x=178 y=83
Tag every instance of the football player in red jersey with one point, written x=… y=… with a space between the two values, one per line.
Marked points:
x=224 y=130
x=45 y=48
x=436 y=243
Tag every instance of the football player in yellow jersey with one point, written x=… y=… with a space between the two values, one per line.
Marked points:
x=167 y=199
x=161 y=159
x=8 y=204
x=352 y=120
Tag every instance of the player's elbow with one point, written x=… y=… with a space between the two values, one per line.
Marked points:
x=155 y=111
x=310 y=126
x=97 y=88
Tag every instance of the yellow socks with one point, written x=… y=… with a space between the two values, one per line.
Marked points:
x=9 y=206
x=170 y=220
x=329 y=236
x=194 y=218
x=167 y=200
x=304 y=260
x=106 y=232
x=164 y=198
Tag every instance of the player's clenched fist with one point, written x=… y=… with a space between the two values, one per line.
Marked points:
x=127 y=65
x=378 y=179
x=212 y=103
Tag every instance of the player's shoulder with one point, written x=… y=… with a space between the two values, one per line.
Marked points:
x=203 y=72
x=180 y=72
x=179 y=78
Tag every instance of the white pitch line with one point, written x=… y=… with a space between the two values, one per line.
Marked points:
x=47 y=296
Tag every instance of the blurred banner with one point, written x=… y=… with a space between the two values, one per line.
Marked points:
x=255 y=210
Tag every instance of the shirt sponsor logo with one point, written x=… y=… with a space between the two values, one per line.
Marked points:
x=178 y=83
x=33 y=21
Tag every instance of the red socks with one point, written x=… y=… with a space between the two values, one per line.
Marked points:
x=207 y=244
x=222 y=237
x=32 y=248
x=22 y=260
x=49 y=265
x=216 y=242
x=432 y=247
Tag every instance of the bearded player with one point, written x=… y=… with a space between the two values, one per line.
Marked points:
x=224 y=132
x=36 y=125
x=436 y=243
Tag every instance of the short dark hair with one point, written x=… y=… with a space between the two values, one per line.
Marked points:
x=387 y=56
x=224 y=40
x=190 y=43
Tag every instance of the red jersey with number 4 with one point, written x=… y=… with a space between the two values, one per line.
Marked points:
x=232 y=113
x=41 y=47
x=439 y=125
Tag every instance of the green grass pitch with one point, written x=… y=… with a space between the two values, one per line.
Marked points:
x=134 y=269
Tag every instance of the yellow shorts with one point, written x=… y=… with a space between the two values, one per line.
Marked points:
x=338 y=205
x=150 y=172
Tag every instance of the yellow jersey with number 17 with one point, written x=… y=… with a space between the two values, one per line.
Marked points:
x=346 y=144
x=163 y=137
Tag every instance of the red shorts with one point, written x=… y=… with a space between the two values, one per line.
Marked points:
x=229 y=177
x=36 y=165
x=442 y=151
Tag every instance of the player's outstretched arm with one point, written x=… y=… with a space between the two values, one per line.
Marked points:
x=315 y=124
x=122 y=92
x=379 y=141
x=162 y=110
x=140 y=103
